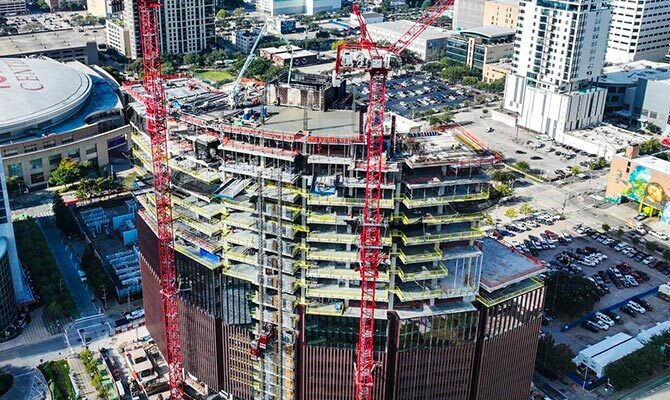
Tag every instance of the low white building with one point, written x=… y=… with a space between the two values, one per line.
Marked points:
x=369 y=17
x=289 y=7
x=598 y=356
x=244 y=39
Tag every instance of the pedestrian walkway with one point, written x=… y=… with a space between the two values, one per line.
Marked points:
x=82 y=379
x=36 y=329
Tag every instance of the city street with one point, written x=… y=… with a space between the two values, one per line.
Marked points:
x=68 y=266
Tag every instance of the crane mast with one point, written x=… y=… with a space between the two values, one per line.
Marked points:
x=377 y=60
x=156 y=126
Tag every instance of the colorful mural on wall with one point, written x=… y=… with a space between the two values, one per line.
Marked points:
x=648 y=193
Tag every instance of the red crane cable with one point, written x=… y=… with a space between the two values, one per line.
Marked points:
x=156 y=126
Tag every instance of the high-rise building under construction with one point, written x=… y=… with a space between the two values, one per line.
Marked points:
x=266 y=208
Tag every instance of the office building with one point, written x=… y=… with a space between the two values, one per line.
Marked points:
x=104 y=8
x=185 y=26
x=54 y=110
x=291 y=7
x=244 y=39
x=468 y=14
x=429 y=46
x=639 y=31
x=280 y=24
x=8 y=305
x=495 y=71
x=559 y=52
x=501 y=13
x=63 y=45
x=12 y=7
x=267 y=241
x=478 y=47
x=118 y=36
x=636 y=92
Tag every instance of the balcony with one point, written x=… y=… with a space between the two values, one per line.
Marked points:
x=441 y=200
x=345 y=201
x=333 y=255
x=415 y=292
x=413 y=258
x=345 y=293
x=419 y=273
x=439 y=237
x=341 y=273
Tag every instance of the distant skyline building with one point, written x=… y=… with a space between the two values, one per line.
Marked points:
x=501 y=13
x=289 y=7
x=640 y=30
x=186 y=26
x=559 y=52
x=13 y=7
x=468 y=14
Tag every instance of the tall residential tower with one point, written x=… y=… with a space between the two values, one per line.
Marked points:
x=640 y=31
x=559 y=52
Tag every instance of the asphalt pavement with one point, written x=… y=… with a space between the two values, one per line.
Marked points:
x=68 y=266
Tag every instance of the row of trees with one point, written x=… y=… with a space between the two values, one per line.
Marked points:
x=553 y=357
x=95 y=274
x=37 y=257
x=524 y=209
x=570 y=295
x=92 y=368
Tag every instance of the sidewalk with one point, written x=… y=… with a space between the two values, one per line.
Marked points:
x=82 y=379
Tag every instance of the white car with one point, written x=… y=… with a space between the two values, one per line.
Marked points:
x=567 y=237
x=648 y=260
x=637 y=307
x=659 y=235
x=602 y=325
x=604 y=318
x=620 y=246
x=631 y=280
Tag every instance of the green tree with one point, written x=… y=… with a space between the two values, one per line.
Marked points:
x=222 y=14
x=570 y=295
x=666 y=254
x=426 y=4
x=619 y=233
x=13 y=182
x=598 y=163
x=487 y=220
x=526 y=209
x=606 y=227
x=576 y=170
x=554 y=357
x=239 y=12
x=114 y=73
x=129 y=181
x=503 y=189
x=522 y=166
x=64 y=219
x=43 y=5
x=470 y=81
x=641 y=364
x=511 y=213
x=192 y=59
x=651 y=246
x=650 y=146
x=503 y=176
x=336 y=44
x=68 y=171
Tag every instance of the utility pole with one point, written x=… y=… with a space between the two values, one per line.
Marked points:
x=104 y=295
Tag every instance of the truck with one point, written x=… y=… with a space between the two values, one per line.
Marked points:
x=82 y=275
x=664 y=292
x=637 y=226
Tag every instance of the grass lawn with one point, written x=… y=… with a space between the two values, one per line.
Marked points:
x=6 y=381
x=215 y=76
x=36 y=255
x=57 y=373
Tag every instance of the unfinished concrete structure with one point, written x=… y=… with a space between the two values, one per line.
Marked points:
x=266 y=216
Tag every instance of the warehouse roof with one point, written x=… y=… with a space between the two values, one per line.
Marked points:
x=489 y=31
x=31 y=43
x=397 y=28
x=607 y=351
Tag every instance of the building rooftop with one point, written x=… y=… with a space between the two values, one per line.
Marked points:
x=397 y=28
x=296 y=54
x=488 y=32
x=607 y=137
x=335 y=123
x=50 y=97
x=629 y=73
x=653 y=163
x=280 y=49
x=503 y=266
x=29 y=43
x=608 y=350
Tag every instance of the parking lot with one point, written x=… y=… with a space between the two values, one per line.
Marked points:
x=419 y=93
x=646 y=277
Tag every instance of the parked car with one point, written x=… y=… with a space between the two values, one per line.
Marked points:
x=591 y=326
x=643 y=303
x=614 y=316
x=602 y=317
x=629 y=310
x=635 y=306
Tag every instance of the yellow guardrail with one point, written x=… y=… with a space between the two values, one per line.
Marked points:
x=314 y=218
x=492 y=302
x=438 y=237
x=240 y=257
x=345 y=202
x=344 y=238
x=332 y=255
x=344 y=293
x=440 y=272
x=233 y=205
x=335 y=273
x=417 y=258
x=207 y=229
x=326 y=309
x=421 y=295
x=441 y=200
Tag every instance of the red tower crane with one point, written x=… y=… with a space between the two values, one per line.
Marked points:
x=156 y=126
x=377 y=60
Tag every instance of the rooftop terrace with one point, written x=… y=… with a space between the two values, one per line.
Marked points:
x=503 y=266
